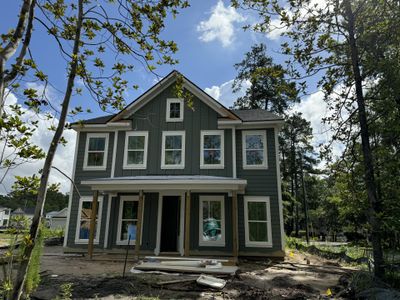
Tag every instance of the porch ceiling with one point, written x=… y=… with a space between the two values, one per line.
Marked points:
x=167 y=182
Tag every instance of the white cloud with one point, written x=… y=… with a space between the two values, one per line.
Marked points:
x=314 y=109
x=220 y=25
x=42 y=138
x=276 y=29
x=224 y=93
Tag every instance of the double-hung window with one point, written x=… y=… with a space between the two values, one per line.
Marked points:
x=135 y=156
x=254 y=146
x=211 y=221
x=84 y=215
x=96 y=151
x=173 y=150
x=212 y=149
x=257 y=217
x=174 y=110
x=127 y=220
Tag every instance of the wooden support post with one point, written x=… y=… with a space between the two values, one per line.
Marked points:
x=139 y=224
x=92 y=225
x=235 y=245
x=187 y=224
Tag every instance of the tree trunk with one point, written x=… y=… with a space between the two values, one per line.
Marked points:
x=8 y=51
x=369 y=177
x=305 y=206
x=21 y=275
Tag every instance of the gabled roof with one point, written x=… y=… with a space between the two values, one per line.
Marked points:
x=164 y=83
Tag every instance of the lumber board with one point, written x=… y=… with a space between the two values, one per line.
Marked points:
x=225 y=270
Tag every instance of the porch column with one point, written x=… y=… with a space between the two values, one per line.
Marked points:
x=139 y=224
x=187 y=224
x=235 y=246
x=92 y=225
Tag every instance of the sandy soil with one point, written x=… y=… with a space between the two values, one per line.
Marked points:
x=298 y=277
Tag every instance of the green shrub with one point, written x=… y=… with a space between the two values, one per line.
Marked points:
x=33 y=274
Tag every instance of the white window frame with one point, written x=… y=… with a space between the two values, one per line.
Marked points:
x=146 y=141
x=265 y=199
x=85 y=160
x=78 y=221
x=217 y=198
x=121 y=202
x=203 y=165
x=183 y=149
x=168 y=109
x=244 y=159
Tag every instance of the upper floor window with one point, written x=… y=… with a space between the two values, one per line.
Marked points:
x=135 y=156
x=96 y=151
x=173 y=150
x=212 y=149
x=254 y=146
x=257 y=221
x=175 y=110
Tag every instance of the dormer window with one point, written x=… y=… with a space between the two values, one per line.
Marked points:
x=175 y=110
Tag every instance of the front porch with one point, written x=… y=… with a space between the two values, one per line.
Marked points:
x=170 y=215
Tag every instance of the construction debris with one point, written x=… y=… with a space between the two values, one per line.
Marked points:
x=211 y=281
x=155 y=266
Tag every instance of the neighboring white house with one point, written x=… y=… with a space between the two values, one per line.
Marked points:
x=57 y=219
x=27 y=212
x=5 y=216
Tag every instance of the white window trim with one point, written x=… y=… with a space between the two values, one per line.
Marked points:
x=121 y=201
x=221 y=199
x=174 y=100
x=146 y=141
x=172 y=133
x=266 y=199
x=85 y=160
x=78 y=221
x=221 y=165
x=264 y=136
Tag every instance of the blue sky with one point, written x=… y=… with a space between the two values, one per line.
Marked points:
x=210 y=39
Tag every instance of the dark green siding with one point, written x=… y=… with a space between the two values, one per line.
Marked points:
x=80 y=175
x=151 y=118
x=260 y=183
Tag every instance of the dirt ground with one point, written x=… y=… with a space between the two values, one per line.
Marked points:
x=300 y=276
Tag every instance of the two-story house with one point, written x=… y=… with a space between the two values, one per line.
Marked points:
x=174 y=179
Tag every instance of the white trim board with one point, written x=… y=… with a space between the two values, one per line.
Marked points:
x=264 y=165
x=180 y=194
x=248 y=243
x=168 y=110
x=183 y=149
x=71 y=190
x=129 y=134
x=208 y=198
x=119 y=222
x=105 y=152
x=165 y=83
x=221 y=134
x=78 y=220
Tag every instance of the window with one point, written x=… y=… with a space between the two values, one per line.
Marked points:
x=173 y=150
x=135 y=156
x=127 y=220
x=212 y=149
x=96 y=151
x=175 y=110
x=211 y=221
x=257 y=221
x=84 y=214
x=254 y=144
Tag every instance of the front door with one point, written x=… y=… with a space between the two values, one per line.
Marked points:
x=170 y=224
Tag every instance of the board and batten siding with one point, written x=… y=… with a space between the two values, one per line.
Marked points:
x=260 y=183
x=84 y=190
x=151 y=118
